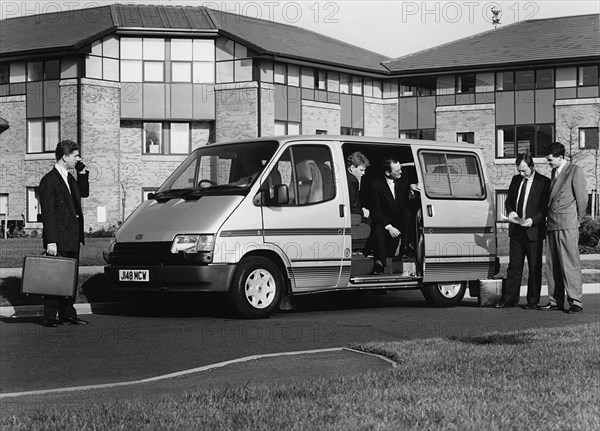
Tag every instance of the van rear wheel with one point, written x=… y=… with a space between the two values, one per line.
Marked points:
x=444 y=294
x=256 y=288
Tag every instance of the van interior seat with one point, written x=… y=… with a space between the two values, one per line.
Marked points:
x=310 y=182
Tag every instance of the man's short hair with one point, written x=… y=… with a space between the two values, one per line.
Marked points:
x=357 y=159
x=555 y=149
x=525 y=157
x=65 y=147
x=387 y=163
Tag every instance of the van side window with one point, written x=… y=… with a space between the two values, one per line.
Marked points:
x=307 y=171
x=452 y=175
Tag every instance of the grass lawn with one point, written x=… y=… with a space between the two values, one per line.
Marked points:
x=534 y=379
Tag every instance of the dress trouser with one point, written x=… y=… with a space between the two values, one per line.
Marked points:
x=61 y=304
x=383 y=244
x=521 y=247
x=563 y=267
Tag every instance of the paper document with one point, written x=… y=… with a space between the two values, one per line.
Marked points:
x=515 y=220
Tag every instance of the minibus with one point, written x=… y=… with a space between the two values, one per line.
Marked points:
x=267 y=219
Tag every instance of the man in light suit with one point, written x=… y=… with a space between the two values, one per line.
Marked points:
x=62 y=217
x=527 y=200
x=566 y=208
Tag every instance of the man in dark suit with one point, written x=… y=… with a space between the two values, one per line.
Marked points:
x=527 y=203
x=62 y=217
x=566 y=208
x=390 y=203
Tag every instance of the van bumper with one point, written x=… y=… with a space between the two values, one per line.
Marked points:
x=205 y=278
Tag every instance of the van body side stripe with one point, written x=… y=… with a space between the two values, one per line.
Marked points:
x=284 y=232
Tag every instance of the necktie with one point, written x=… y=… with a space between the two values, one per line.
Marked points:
x=553 y=180
x=521 y=198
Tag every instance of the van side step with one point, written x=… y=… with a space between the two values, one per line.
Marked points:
x=398 y=280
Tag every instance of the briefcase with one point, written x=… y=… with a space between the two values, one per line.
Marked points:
x=490 y=291
x=49 y=275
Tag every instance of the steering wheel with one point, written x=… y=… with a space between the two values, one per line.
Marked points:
x=211 y=182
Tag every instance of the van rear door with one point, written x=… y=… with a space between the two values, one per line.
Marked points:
x=458 y=215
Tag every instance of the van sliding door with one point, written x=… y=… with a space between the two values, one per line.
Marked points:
x=458 y=216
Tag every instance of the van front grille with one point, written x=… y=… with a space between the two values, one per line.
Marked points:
x=145 y=253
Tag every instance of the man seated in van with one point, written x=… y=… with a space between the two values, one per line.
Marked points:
x=390 y=204
x=356 y=165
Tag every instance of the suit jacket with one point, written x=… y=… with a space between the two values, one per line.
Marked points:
x=354 y=189
x=385 y=209
x=568 y=199
x=536 y=207
x=61 y=210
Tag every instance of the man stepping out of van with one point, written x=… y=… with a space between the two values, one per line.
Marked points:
x=527 y=207
x=390 y=200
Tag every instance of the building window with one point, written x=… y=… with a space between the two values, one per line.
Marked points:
x=181 y=71
x=3 y=204
x=234 y=62
x=351 y=131
x=468 y=137
x=152 y=138
x=33 y=204
x=142 y=59
x=544 y=78
x=426 y=134
x=345 y=83
x=4 y=73
x=524 y=80
x=511 y=140
x=154 y=71
x=465 y=83
x=320 y=132
x=42 y=135
x=505 y=81
x=287 y=128
x=166 y=138
x=588 y=138
x=588 y=75
x=408 y=87
x=103 y=61
x=501 y=196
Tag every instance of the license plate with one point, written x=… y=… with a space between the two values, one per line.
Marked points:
x=134 y=275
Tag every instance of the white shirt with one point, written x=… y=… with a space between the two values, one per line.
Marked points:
x=392 y=186
x=64 y=174
x=529 y=182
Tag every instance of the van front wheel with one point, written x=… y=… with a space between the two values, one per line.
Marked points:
x=256 y=288
x=444 y=294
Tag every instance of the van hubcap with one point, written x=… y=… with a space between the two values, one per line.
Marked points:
x=449 y=290
x=260 y=288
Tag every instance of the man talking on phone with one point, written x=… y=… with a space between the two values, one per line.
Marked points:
x=62 y=217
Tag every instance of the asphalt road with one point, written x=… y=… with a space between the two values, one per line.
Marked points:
x=182 y=332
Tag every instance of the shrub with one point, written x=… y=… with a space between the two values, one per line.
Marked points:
x=589 y=233
x=104 y=232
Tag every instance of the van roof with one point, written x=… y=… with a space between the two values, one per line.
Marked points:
x=354 y=139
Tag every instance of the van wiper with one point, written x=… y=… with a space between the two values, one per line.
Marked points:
x=171 y=194
x=221 y=189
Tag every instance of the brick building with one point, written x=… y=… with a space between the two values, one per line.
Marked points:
x=139 y=87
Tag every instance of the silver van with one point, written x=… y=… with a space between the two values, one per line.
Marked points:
x=267 y=219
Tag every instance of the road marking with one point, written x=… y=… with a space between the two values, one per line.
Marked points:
x=192 y=371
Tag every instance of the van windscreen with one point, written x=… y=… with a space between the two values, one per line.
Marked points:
x=219 y=168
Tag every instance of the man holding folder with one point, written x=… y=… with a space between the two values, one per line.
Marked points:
x=527 y=206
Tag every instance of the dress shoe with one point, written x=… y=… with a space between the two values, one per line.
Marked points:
x=530 y=307
x=551 y=306
x=74 y=321
x=377 y=269
x=504 y=304
x=574 y=309
x=51 y=323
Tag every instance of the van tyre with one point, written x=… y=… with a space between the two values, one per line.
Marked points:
x=444 y=294
x=256 y=288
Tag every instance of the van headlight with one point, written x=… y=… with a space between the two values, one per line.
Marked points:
x=193 y=243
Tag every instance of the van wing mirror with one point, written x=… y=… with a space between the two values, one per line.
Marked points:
x=281 y=196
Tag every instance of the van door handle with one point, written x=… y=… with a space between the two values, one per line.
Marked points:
x=430 y=210
x=342 y=210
